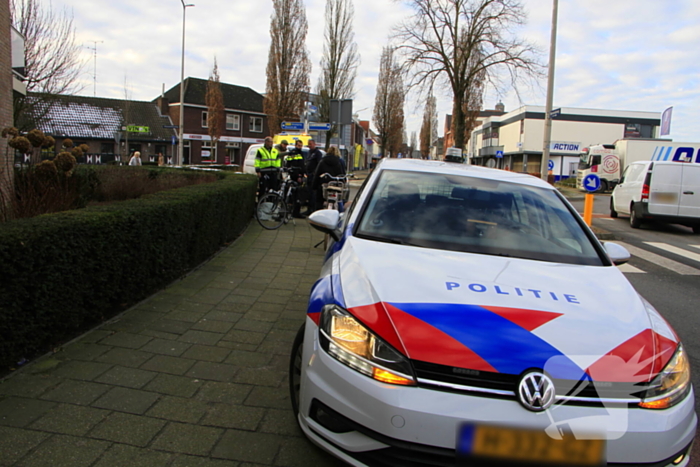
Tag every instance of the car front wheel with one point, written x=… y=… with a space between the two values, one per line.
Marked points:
x=295 y=370
x=613 y=213
x=635 y=220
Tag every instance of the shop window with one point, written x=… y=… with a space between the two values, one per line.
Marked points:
x=208 y=152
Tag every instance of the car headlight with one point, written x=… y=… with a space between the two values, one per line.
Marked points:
x=671 y=385
x=347 y=340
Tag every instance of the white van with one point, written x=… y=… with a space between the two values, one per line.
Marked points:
x=249 y=161
x=663 y=191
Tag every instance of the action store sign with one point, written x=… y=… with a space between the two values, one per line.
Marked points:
x=565 y=147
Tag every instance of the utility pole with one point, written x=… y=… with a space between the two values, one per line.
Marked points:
x=94 y=72
x=544 y=169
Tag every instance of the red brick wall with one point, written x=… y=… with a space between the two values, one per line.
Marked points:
x=5 y=91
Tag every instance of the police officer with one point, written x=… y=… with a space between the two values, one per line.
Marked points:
x=294 y=162
x=315 y=156
x=267 y=166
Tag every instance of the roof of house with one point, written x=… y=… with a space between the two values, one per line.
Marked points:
x=235 y=97
x=99 y=118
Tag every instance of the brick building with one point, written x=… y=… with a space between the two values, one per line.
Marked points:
x=245 y=122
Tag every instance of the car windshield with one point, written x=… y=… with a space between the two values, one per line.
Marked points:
x=475 y=215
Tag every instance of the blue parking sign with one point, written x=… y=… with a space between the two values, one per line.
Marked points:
x=551 y=164
x=591 y=183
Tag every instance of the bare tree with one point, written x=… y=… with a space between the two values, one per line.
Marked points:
x=340 y=58
x=215 y=108
x=288 y=65
x=389 y=103
x=465 y=44
x=52 y=63
x=428 y=130
x=414 y=144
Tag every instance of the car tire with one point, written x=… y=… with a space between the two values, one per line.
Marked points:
x=635 y=220
x=603 y=186
x=613 y=213
x=295 y=370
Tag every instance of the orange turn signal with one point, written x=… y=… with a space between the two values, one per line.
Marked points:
x=390 y=378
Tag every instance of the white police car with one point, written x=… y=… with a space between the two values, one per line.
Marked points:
x=466 y=313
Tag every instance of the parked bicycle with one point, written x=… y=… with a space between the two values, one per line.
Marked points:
x=336 y=192
x=275 y=207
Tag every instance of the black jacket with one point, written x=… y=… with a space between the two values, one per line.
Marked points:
x=313 y=160
x=329 y=164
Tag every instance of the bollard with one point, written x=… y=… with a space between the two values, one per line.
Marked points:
x=588 y=209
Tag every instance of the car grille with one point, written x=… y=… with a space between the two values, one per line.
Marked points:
x=498 y=385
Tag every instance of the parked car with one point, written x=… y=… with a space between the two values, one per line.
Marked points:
x=466 y=312
x=662 y=191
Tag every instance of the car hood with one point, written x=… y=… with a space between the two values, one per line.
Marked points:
x=504 y=315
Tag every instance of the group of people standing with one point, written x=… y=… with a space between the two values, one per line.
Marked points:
x=269 y=160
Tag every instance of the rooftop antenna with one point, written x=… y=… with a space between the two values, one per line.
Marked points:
x=94 y=73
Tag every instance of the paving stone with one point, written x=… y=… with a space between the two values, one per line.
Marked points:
x=94 y=336
x=160 y=334
x=69 y=419
x=210 y=295
x=244 y=337
x=248 y=447
x=274 y=298
x=166 y=347
x=243 y=359
x=207 y=353
x=20 y=412
x=16 y=442
x=268 y=307
x=192 y=306
x=169 y=325
x=256 y=325
x=185 y=316
x=211 y=325
x=234 y=416
x=125 y=357
x=259 y=377
x=166 y=364
x=224 y=315
x=187 y=439
x=128 y=377
x=82 y=370
x=65 y=451
x=84 y=351
x=237 y=346
x=212 y=371
x=201 y=337
x=124 y=455
x=179 y=409
x=239 y=299
x=280 y=422
x=228 y=393
x=127 y=400
x=275 y=398
x=174 y=385
x=247 y=291
x=192 y=461
x=303 y=453
x=128 y=429
x=28 y=385
x=76 y=392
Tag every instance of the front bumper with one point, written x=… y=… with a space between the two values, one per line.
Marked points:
x=413 y=426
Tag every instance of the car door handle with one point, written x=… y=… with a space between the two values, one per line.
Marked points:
x=688 y=192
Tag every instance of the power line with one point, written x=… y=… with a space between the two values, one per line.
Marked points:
x=94 y=73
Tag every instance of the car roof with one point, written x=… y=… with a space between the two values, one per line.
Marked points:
x=451 y=168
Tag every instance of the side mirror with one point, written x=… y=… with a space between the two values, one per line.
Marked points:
x=326 y=220
x=618 y=254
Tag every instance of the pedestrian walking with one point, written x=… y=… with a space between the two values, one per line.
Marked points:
x=135 y=159
x=267 y=166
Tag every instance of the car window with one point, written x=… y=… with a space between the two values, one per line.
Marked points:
x=475 y=215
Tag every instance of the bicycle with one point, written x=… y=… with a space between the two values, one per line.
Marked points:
x=273 y=208
x=336 y=192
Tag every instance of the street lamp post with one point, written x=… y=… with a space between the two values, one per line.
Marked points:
x=544 y=168
x=180 y=147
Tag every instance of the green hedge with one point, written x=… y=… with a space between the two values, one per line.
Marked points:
x=66 y=271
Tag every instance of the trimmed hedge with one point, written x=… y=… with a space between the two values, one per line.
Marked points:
x=63 y=272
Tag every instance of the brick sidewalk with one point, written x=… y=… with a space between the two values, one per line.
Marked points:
x=196 y=375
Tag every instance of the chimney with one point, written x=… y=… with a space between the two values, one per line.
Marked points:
x=500 y=107
x=163 y=105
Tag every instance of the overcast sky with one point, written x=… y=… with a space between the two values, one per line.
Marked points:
x=611 y=54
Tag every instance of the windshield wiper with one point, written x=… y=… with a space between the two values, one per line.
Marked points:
x=394 y=241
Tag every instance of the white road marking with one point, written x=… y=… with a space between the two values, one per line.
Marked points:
x=628 y=268
x=695 y=246
x=676 y=250
x=659 y=260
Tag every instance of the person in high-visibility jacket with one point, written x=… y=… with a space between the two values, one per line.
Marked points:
x=267 y=166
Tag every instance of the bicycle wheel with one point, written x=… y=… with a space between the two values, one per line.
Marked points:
x=271 y=212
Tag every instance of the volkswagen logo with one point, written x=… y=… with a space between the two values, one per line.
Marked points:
x=536 y=391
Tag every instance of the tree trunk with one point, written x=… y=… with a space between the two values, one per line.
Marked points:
x=458 y=122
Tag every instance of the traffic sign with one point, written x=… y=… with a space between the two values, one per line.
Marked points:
x=555 y=113
x=499 y=154
x=174 y=127
x=313 y=108
x=551 y=164
x=591 y=183
x=293 y=126
x=319 y=126
x=173 y=140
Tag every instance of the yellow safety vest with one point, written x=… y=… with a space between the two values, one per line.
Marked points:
x=265 y=158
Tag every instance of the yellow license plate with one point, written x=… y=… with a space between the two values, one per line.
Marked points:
x=508 y=444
